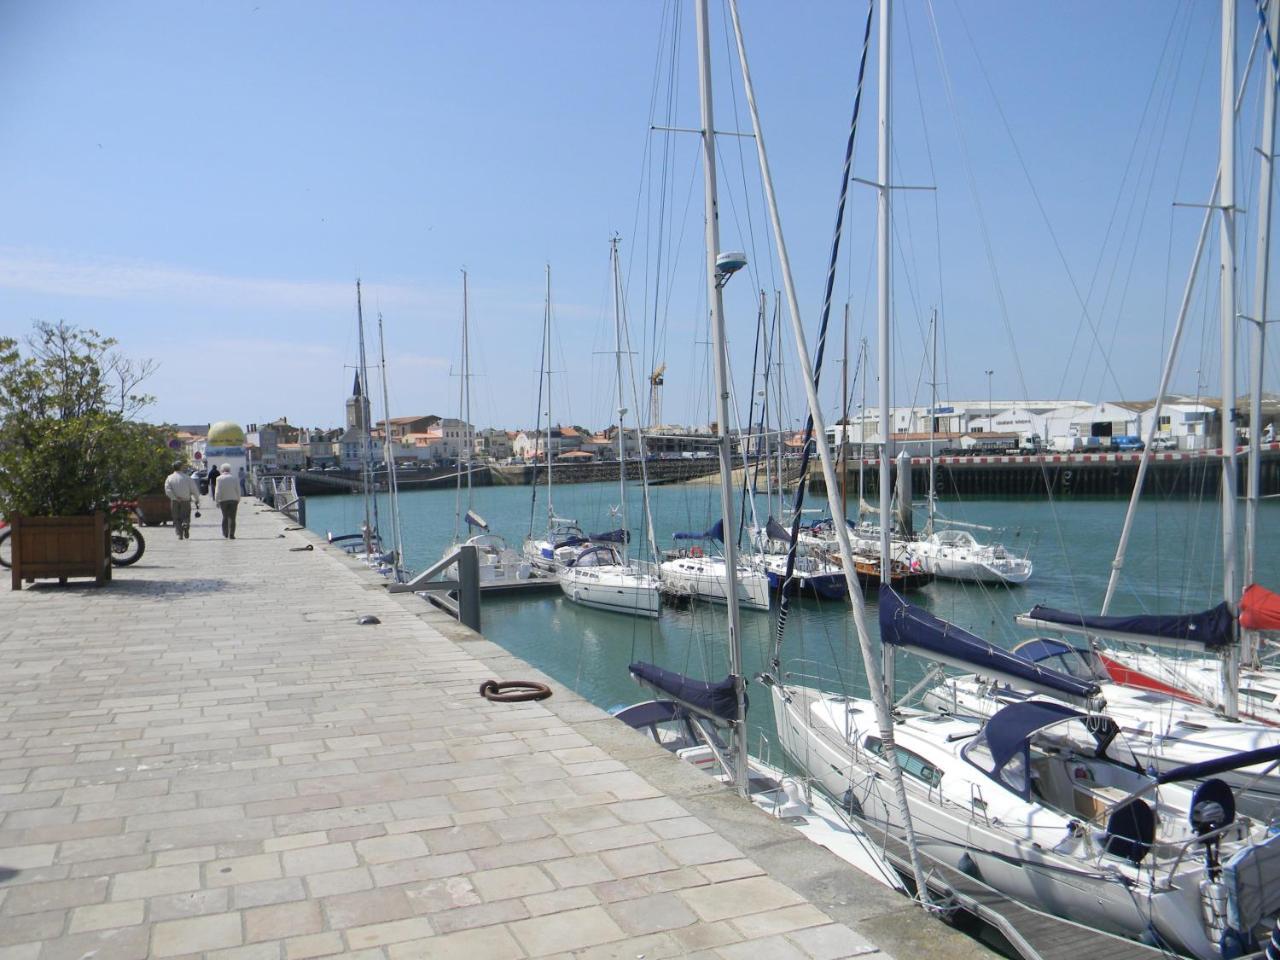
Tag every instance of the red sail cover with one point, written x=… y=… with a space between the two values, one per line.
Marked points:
x=1260 y=609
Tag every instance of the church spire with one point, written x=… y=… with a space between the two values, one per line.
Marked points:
x=355 y=390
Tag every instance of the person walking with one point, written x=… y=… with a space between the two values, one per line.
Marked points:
x=182 y=492
x=228 y=499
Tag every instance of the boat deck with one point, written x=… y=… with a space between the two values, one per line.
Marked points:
x=1033 y=934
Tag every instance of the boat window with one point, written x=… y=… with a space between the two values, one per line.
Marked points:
x=911 y=763
x=1188 y=725
x=1265 y=696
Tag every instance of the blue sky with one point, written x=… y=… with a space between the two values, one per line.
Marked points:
x=206 y=181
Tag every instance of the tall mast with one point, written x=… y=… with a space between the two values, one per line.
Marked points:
x=715 y=299
x=466 y=388
x=366 y=441
x=884 y=717
x=862 y=431
x=462 y=406
x=389 y=456
x=885 y=345
x=1258 y=333
x=551 y=510
x=622 y=410
x=933 y=417
x=1227 y=248
x=844 y=430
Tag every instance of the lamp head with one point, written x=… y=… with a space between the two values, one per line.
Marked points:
x=727 y=264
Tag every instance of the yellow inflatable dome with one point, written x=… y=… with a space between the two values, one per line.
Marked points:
x=224 y=433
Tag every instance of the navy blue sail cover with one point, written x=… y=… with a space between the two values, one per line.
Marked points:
x=905 y=625
x=715 y=533
x=716 y=699
x=612 y=536
x=571 y=542
x=1210 y=768
x=1212 y=628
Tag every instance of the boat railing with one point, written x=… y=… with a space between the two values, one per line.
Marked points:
x=459 y=598
x=281 y=493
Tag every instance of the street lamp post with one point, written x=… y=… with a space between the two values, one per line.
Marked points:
x=990 y=412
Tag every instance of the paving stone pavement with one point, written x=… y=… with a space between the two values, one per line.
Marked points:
x=210 y=757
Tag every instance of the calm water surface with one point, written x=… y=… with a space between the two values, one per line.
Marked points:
x=1173 y=566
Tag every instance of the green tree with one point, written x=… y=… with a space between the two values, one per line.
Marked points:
x=69 y=438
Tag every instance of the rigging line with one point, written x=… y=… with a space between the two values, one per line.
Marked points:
x=1035 y=194
x=807 y=446
x=989 y=251
x=747 y=484
x=742 y=164
x=1121 y=192
x=646 y=155
x=666 y=186
x=1151 y=154
x=928 y=150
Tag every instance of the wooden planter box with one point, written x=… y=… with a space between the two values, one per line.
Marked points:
x=154 y=508
x=47 y=548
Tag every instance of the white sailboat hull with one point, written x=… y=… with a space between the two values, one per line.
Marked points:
x=978 y=835
x=616 y=589
x=707 y=578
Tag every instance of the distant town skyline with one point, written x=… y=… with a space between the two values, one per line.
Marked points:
x=206 y=183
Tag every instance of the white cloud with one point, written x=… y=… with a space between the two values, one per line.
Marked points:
x=117 y=279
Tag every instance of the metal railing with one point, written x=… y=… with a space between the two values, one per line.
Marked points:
x=281 y=493
x=466 y=607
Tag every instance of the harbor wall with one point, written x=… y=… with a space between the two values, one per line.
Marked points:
x=1064 y=476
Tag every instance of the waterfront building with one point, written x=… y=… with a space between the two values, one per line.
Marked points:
x=494 y=444
x=535 y=444
x=400 y=427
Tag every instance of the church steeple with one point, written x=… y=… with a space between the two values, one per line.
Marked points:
x=358 y=408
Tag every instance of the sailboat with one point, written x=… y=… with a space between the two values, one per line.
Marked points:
x=600 y=575
x=954 y=553
x=1213 y=673
x=1164 y=732
x=366 y=545
x=1044 y=802
x=499 y=565
x=563 y=539
x=703 y=573
x=693 y=714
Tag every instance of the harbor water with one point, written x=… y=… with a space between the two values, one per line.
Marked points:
x=1174 y=565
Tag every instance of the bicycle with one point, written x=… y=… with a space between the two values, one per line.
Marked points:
x=127 y=543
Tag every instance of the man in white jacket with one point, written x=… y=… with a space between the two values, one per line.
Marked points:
x=227 y=495
x=182 y=492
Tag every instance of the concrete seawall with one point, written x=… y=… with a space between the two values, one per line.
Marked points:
x=212 y=757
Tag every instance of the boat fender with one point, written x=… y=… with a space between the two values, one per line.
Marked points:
x=514 y=691
x=967 y=865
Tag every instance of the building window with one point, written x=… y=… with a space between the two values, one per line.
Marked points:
x=1165 y=422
